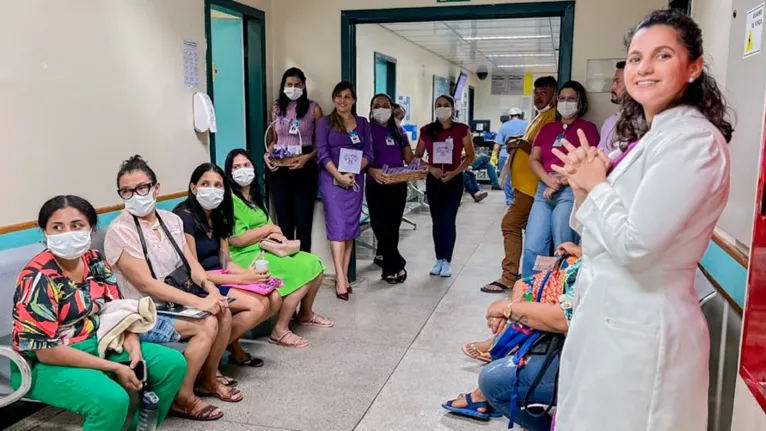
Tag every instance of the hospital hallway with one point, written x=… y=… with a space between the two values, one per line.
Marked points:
x=393 y=356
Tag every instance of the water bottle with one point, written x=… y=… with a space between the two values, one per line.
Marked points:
x=147 y=411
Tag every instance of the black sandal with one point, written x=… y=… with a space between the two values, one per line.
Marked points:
x=401 y=278
x=500 y=288
x=390 y=279
x=251 y=361
x=378 y=260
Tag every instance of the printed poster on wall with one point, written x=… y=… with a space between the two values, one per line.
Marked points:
x=406 y=103
x=753 y=31
x=191 y=63
x=507 y=85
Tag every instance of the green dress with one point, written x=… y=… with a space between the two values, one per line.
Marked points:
x=295 y=271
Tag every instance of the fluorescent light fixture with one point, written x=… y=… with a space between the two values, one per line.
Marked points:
x=520 y=37
x=529 y=54
x=517 y=66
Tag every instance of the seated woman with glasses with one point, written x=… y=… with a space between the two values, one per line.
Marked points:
x=208 y=223
x=56 y=313
x=148 y=249
x=301 y=273
x=548 y=225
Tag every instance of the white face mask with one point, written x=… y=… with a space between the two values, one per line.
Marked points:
x=141 y=206
x=209 y=198
x=398 y=122
x=381 y=115
x=568 y=109
x=69 y=245
x=293 y=93
x=243 y=176
x=443 y=113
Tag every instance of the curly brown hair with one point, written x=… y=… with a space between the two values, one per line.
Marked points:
x=702 y=94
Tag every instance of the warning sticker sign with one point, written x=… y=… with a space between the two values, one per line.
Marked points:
x=754 y=31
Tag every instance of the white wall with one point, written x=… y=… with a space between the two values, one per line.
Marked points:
x=311 y=39
x=713 y=18
x=748 y=414
x=415 y=68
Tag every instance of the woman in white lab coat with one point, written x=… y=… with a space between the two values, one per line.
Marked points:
x=636 y=357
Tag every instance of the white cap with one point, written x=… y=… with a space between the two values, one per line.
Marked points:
x=514 y=111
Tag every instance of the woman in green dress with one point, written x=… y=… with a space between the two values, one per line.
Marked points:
x=301 y=273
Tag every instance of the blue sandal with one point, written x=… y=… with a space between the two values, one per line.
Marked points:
x=471 y=410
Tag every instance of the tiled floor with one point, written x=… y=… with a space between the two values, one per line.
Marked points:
x=393 y=356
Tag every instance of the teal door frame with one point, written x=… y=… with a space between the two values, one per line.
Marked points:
x=254 y=37
x=349 y=19
x=390 y=73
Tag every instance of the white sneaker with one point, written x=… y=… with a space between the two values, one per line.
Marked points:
x=446 y=269
x=437 y=269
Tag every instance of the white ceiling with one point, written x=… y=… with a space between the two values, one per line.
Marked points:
x=528 y=45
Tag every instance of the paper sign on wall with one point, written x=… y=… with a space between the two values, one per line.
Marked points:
x=753 y=31
x=191 y=64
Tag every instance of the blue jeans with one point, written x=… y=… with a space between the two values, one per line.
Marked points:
x=482 y=162
x=507 y=187
x=444 y=200
x=548 y=226
x=469 y=182
x=496 y=383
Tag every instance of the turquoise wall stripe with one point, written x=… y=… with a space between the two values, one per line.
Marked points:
x=726 y=271
x=31 y=236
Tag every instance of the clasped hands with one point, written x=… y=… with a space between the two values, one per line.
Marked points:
x=584 y=167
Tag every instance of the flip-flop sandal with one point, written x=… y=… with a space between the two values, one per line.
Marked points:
x=251 y=361
x=231 y=398
x=378 y=260
x=391 y=279
x=316 y=321
x=227 y=381
x=471 y=410
x=499 y=288
x=296 y=344
x=203 y=415
x=401 y=278
x=472 y=352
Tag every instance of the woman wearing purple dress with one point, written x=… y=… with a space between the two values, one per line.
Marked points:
x=344 y=149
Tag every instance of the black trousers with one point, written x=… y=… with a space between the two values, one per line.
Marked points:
x=294 y=193
x=386 y=204
x=444 y=200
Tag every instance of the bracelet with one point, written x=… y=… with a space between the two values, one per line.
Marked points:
x=509 y=310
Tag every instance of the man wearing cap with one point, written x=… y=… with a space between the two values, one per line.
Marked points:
x=608 y=128
x=513 y=128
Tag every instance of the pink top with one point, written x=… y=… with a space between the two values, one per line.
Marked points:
x=305 y=126
x=622 y=155
x=551 y=134
x=457 y=132
x=122 y=237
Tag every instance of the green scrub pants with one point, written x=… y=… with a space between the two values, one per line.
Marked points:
x=96 y=395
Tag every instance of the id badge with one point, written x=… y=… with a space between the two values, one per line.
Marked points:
x=354 y=138
x=294 y=126
x=389 y=141
x=557 y=142
x=545 y=263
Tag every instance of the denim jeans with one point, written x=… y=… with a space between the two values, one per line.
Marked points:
x=548 y=226
x=444 y=199
x=496 y=382
x=469 y=182
x=482 y=162
x=507 y=187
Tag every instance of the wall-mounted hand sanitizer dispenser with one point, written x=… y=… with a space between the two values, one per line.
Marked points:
x=204 y=113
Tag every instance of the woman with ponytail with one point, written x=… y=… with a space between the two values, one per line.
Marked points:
x=636 y=356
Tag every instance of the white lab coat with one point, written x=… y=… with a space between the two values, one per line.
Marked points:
x=637 y=351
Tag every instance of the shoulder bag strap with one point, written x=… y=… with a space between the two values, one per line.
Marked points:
x=143 y=246
x=175 y=246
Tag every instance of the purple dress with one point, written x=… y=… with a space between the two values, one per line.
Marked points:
x=342 y=207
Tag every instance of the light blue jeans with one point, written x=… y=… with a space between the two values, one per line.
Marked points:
x=496 y=384
x=507 y=187
x=548 y=226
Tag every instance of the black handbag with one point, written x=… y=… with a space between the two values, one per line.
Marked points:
x=180 y=278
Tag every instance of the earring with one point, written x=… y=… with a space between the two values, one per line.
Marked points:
x=691 y=80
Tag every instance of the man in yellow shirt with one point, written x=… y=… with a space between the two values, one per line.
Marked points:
x=524 y=183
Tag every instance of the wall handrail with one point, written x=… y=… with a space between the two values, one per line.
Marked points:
x=736 y=254
x=16 y=227
x=721 y=291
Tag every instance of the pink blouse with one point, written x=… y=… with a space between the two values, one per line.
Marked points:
x=122 y=237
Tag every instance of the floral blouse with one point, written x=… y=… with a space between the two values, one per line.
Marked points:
x=49 y=309
x=560 y=286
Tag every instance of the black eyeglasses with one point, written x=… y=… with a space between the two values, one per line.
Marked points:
x=142 y=190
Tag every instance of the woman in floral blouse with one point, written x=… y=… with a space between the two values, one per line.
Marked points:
x=498 y=379
x=59 y=296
